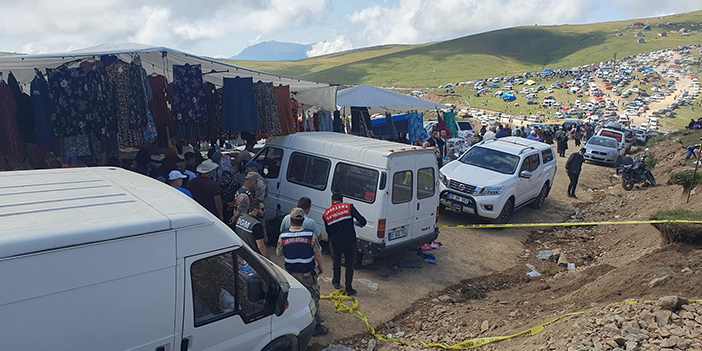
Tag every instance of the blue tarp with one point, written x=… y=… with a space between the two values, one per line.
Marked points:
x=380 y=127
x=547 y=70
x=493 y=85
x=508 y=97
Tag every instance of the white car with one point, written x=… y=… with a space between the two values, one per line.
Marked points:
x=495 y=177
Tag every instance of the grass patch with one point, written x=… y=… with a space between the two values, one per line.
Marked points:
x=685 y=177
x=656 y=139
x=679 y=232
x=691 y=137
x=651 y=161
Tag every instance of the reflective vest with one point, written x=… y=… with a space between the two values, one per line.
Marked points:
x=244 y=229
x=298 y=252
x=337 y=213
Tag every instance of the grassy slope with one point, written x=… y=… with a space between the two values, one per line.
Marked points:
x=496 y=53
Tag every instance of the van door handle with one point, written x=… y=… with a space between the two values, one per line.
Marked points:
x=277 y=186
x=185 y=345
x=417 y=206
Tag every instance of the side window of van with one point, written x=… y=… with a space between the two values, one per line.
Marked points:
x=308 y=170
x=356 y=182
x=425 y=183
x=225 y=285
x=547 y=155
x=269 y=162
x=402 y=187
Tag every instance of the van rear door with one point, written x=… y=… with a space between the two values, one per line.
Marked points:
x=426 y=194
x=402 y=204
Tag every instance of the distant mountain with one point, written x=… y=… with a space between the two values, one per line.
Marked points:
x=274 y=51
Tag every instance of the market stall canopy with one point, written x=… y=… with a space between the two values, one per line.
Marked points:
x=381 y=100
x=161 y=60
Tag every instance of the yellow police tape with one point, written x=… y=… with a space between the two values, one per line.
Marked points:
x=566 y=224
x=339 y=296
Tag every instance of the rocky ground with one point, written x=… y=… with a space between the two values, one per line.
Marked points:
x=609 y=265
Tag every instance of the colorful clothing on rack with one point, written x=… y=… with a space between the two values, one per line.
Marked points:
x=40 y=105
x=239 y=106
x=10 y=139
x=68 y=93
x=119 y=77
x=25 y=115
x=213 y=96
x=75 y=146
x=267 y=109
x=189 y=106
x=102 y=103
x=159 y=104
x=416 y=129
x=285 y=115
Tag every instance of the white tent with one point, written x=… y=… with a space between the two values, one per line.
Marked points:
x=161 y=60
x=381 y=100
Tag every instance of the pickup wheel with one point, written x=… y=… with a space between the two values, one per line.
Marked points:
x=506 y=212
x=539 y=201
x=282 y=343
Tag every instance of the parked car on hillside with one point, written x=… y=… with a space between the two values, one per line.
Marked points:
x=603 y=149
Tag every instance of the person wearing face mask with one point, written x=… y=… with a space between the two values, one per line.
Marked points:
x=249 y=228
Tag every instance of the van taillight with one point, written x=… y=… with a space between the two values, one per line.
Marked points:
x=381 y=228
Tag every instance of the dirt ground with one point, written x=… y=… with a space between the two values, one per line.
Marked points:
x=479 y=285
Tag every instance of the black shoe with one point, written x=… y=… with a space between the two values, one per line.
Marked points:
x=337 y=286
x=320 y=330
x=573 y=196
x=351 y=292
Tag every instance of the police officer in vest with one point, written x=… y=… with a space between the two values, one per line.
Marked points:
x=301 y=250
x=249 y=228
x=339 y=221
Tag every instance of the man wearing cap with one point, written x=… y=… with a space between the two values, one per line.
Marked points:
x=175 y=179
x=249 y=228
x=573 y=167
x=339 y=223
x=305 y=203
x=301 y=250
x=244 y=196
x=261 y=183
x=206 y=191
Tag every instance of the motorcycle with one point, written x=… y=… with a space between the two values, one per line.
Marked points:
x=634 y=171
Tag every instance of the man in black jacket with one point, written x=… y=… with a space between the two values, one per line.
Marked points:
x=573 y=167
x=339 y=223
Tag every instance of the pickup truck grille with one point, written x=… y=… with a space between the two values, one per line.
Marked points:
x=462 y=187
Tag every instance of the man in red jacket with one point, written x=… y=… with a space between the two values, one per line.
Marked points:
x=339 y=223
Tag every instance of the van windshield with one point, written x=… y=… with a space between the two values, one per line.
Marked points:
x=493 y=160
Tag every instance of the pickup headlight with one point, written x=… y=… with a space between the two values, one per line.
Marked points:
x=488 y=190
x=444 y=179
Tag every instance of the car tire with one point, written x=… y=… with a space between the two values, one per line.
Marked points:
x=506 y=212
x=282 y=343
x=541 y=198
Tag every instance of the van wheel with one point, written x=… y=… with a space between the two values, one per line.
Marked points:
x=539 y=201
x=505 y=213
x=282 y=343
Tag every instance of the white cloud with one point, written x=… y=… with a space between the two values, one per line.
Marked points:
x=416 y=21
x=650 y=8
x=334 y=44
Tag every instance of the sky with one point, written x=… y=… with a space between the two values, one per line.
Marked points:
x=222 y=28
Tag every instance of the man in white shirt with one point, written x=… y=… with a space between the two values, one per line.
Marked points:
x=305 y=203
x=490 y=134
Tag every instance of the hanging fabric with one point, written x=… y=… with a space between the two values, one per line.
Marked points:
x=392 y=131
x=322 y=121
x=338 y=124
x=416 y=131
x=25 y=114
x=161 y=91
x=40 y=105
x=75 y=146
x=213 y=97
x=285 y=115
x=139 y=95
x=239 y=106
x=315 y=122
x=442 y=125
x=361 y=116
x=101 y=95
x=267 y=109
x=10 y=139
x=450 y=120
x=118 y=75
x=69 y=101
x=188 y=107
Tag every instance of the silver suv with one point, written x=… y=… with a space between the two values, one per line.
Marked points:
x=495 y=177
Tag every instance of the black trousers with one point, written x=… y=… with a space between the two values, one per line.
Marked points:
x=348 y=250
x=573 y=182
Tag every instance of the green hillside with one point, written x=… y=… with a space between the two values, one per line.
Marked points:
x=496 y=53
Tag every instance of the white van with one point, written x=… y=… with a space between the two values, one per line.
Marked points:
x=107 y=259
x=393 y=185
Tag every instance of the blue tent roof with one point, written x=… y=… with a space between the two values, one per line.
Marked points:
x=395 y=118
x=547 y=70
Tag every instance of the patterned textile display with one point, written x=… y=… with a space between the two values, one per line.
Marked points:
x=10 y=140
x=161 y=91
x=25 y=113
x=239 y=106
x=189 y=106
x=119 y=77
x=415 y=128
x=285 y=115
x=75 y=146
x=68 y=93
x=267 y=109
x=40 y=105
x=102 y=103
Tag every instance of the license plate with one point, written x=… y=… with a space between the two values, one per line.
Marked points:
x=400 y=233
x=461 y=199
